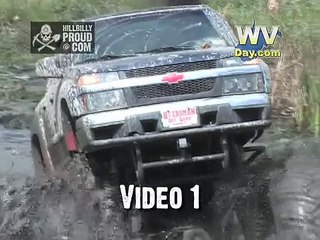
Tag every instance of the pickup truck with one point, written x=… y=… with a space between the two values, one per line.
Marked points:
x=162 y=99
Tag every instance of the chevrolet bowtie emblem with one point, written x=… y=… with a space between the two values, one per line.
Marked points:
x=173 y=78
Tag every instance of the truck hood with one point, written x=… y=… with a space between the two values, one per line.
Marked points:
x=151 y=60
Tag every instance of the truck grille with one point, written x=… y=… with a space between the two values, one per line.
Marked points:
x=181 y=67
x=167 y=90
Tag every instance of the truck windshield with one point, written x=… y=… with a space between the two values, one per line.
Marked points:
x=164 y=31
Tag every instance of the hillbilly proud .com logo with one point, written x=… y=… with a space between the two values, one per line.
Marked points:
x=62 y=37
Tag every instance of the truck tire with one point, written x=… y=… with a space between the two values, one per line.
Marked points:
x=235 y=153
x=207 y=193
x=295 y=199
x=115 y=167
x=38 y=164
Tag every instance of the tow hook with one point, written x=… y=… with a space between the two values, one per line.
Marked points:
x=183 y=146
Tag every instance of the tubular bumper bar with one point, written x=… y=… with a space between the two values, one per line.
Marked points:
x=88 y=145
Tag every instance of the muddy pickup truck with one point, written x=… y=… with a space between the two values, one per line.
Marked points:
x=163 y=98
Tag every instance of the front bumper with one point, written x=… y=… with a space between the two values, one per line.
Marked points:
x=143 y=124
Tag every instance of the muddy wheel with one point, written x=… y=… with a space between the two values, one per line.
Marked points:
x=38 y=162
x=235 y=153
x=123 y=162
x=113 y=166
x=103 y=167
x=206 y=193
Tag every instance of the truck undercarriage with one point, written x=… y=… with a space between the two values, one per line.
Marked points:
x=197 y=153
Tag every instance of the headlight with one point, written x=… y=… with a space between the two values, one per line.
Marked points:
x=96 y=78
x=231 y=62
x=248 y=83
x=106 y=100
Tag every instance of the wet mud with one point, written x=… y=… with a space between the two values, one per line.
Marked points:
x=72 y=207
x=59 y=208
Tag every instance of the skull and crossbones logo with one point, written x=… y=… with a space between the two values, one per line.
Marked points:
x=45 y=38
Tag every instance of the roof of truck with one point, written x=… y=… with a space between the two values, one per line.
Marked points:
x=145 y=11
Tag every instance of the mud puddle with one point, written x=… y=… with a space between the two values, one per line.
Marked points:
x=15 y=157
x=76 y=210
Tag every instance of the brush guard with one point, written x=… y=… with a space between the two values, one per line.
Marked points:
x=186 y=158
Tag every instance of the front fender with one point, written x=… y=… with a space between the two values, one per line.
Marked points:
x=69 y=92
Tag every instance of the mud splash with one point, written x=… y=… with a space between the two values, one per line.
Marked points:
x=60 y=209
x=75 y=209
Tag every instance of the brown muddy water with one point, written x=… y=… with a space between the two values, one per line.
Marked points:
x=15 y=160
x=74 y=209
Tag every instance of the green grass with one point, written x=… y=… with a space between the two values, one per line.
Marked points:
x=63 y=10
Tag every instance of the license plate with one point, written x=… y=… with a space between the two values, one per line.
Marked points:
x=180 y=117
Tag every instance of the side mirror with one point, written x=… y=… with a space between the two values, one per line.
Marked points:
x=53 y=67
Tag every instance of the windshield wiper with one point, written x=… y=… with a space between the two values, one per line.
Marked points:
x=168 y=49
x=108 y=57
